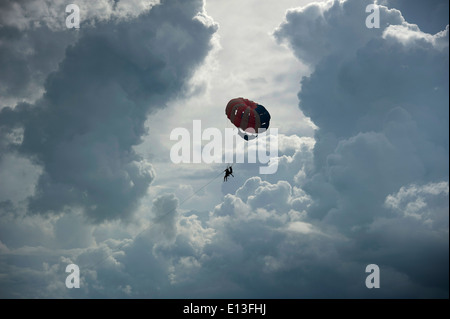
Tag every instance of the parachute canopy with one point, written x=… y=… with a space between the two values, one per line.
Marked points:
x=247 y=116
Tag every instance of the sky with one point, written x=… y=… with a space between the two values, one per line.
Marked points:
x=87 y=178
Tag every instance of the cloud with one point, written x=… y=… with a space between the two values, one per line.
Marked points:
x=431 y=16
x=245 y=248
x=380 y=100
x=34 y=38
x=415 y=201
x=18 y=176
x=318 y=29
x=385 y=107
x=416 y=231
x=82 y=131
x=26 y=59
x=30 y=14
x=164 y=209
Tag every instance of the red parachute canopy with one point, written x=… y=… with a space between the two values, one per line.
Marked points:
x=246 y=115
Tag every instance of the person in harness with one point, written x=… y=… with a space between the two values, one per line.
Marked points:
x=228 y=172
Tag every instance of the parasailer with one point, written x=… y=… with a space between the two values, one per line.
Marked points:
x=249 y=117
x=228 y=172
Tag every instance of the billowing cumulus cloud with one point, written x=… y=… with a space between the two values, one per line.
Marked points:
x=286 y=253
x=34 y=37
x=82 y=131
x=381 y=106
x=431 y=16
x=30 y=14
x=380 y=100
x=26 y=59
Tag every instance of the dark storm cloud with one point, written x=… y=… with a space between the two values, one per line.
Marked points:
x=26 y=58
x=34 y=37
x=380 y=99
x=82 y=131
x=381 y=108
x=431 y=16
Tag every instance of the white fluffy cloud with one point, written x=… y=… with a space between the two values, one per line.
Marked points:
x=381 y=107
x=424 y=203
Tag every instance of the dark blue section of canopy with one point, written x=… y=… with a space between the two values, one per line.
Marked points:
x=264 y=116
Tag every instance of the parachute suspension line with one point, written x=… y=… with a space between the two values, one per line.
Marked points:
x=224 y=151
x=142 y=231
x=198 y=190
